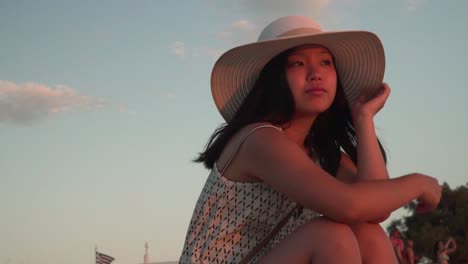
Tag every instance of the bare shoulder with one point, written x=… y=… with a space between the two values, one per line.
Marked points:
x=269 y=152
x=245 y=134
x=263 y=138
x=242 y=147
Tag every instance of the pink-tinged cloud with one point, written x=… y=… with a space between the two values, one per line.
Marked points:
x=412 y=4
x=178 y=48
x=239 y=32
x=29 y=102
x=243 y=24
x=281 y=7
x=121 y=108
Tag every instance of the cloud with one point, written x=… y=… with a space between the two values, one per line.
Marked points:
x=413 y=4
x=178 y=48
x=281 y=7
x=243 y=25
x=167 y=94
x=241 y=31
x=28 y=102
x=245 y=31
x=238 y=32
x=121 y=108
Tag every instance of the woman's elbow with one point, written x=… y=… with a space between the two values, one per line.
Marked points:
x=355 y=213
x=380 y=219
x=348 y=214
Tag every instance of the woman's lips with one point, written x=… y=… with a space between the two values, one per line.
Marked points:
x=315 y=91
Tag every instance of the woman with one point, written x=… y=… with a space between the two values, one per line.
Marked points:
x=297 y=172
x=408 y=254
x=398 y=245
x=442 y=250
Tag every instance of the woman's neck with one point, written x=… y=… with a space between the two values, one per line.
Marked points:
x=297 y=129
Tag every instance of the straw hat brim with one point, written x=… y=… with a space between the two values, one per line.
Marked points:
x=359 y=61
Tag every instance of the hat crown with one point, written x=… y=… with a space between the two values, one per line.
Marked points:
x=286 y=24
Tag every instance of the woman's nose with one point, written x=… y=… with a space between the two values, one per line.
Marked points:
x=313 y=73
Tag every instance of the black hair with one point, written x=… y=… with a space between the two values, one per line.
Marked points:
x=435 y=250
x=271 y=101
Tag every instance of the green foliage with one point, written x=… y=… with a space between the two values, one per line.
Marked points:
x=450 y=219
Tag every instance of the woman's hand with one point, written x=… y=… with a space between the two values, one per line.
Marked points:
x=450 y=249
x=430 y=198
x=368 y=109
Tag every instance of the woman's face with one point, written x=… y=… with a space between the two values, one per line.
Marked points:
x=311 y=76
x=440 y=244
x=396 y=234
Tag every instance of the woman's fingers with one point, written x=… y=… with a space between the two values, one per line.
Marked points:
x=379 y=100
x=422 y=208
x=373 y=105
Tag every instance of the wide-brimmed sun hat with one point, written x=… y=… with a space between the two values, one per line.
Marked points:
x=359 y=60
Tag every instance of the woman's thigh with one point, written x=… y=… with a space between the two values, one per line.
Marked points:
x=317 y=241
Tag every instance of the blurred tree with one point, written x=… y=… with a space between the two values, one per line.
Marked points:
x=450 y=219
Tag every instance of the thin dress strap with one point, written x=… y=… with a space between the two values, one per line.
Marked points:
x=243 y=138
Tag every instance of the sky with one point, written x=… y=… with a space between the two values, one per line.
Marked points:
x=103 y=105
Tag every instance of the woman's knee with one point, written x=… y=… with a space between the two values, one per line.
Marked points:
x=317 y=241
x=374 y=244
x=335 y=238
x=370 y=234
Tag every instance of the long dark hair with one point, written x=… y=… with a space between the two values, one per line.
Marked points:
x=271 y=101
x=435 y=250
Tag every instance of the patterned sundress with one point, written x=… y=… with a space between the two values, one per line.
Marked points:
x=231 y=218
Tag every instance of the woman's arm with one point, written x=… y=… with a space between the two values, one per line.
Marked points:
x=410 y=256
x=451 y=249
x=347 y=173
x=398 y=254
x=269 y=155
x=370 y=163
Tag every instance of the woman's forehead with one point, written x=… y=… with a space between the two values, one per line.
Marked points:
x=309 y=47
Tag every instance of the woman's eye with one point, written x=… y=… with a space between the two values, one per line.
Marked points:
x=295 y=63
x=326 y=62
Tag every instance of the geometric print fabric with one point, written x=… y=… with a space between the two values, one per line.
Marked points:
x=231 y=218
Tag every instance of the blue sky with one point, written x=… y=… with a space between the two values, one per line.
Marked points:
x=103 y=105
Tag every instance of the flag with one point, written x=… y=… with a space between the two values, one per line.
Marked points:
x=103 y=258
